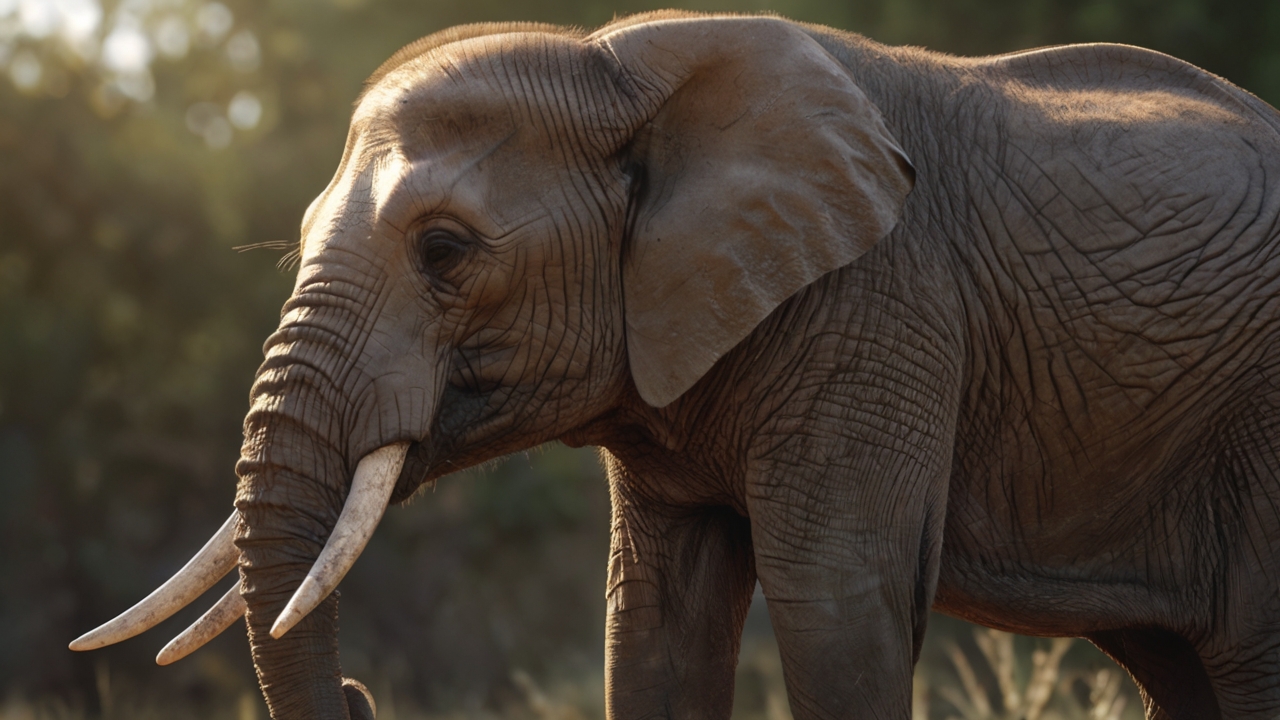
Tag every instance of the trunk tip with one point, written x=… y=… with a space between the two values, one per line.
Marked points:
x=359 y=700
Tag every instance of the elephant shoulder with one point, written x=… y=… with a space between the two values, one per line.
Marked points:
x=1092 y=65
x=1124 y=84
x=1144 y=169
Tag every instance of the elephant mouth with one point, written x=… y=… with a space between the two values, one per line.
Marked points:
x=371 y=488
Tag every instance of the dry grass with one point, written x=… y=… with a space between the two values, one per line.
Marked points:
x=997 y=682
x=1017 y=690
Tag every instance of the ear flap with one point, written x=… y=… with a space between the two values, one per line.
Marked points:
x=764 y=168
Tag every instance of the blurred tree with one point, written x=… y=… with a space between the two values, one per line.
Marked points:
x=140 y=141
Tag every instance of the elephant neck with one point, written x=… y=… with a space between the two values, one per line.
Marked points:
x=701 y=443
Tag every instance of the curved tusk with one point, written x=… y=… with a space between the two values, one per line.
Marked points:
x=210 y=625
x=370 y=491
x=210 y=565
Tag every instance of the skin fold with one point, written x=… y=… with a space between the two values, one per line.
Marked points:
x=879 y=328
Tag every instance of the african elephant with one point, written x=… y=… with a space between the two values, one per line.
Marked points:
x=879 y=328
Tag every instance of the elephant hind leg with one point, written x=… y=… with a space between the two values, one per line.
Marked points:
x=1166 y=668
x=1241 y=649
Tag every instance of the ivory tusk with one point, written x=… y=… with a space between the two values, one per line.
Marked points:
x=371 y=488
x=210 y=625
x=210 y=565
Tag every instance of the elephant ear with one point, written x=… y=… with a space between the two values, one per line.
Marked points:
x=763 y=166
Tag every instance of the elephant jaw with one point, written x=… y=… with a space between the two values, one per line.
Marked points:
x=375 y=478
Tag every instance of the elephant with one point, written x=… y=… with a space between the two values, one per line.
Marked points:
x=878 y=328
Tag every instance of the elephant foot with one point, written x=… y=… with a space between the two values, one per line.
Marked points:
x=359 y=700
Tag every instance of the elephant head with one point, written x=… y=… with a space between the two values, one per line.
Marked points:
x=529 y=229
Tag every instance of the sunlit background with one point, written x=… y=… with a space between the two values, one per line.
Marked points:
x=140 y=142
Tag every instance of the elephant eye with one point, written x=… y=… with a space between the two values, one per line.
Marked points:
x=440 y=251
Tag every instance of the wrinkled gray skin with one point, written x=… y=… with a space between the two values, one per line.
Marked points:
x=1045 y=399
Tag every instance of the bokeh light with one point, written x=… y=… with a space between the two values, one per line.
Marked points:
x=117 y=50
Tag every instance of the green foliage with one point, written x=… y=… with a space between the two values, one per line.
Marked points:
x=130 y=329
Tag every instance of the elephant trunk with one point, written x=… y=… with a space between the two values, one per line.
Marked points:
x=289 y=497
x=304 y=520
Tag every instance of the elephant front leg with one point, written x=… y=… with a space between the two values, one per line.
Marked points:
x=680 y=584
x=849 y=568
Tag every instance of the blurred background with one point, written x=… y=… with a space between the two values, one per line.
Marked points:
x=140 y=142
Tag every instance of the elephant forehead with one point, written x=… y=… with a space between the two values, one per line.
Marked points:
x=490 y=86
x=354 y=200
x=467 y=130
x=381 y=189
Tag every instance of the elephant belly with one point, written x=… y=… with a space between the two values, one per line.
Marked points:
x=1051 y=531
